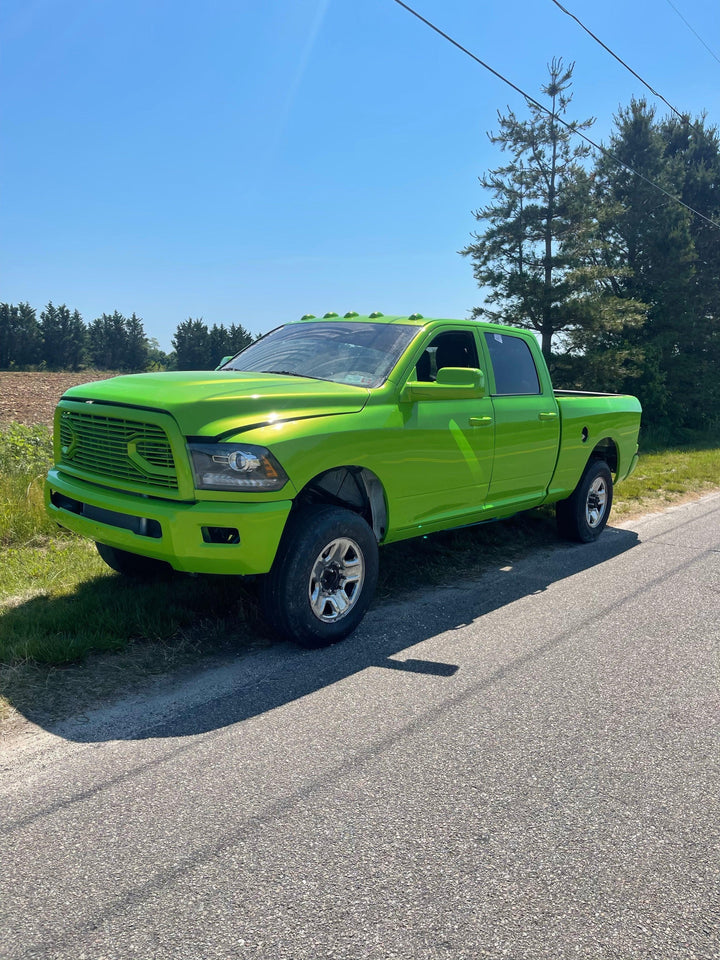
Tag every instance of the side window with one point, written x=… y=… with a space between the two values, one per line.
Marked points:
x=513 y=365
x=455 y=348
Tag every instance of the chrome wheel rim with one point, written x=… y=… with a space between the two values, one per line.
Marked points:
x=336 y=580
x=596 y=503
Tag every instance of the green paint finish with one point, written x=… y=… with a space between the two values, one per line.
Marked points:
x=456 y=419
x=213 y=403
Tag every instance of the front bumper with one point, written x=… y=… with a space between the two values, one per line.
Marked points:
x=180 y=533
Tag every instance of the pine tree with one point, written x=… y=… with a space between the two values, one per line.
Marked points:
x=525 y=253
x=20 y=338
x=76 y=341
x=600 y=348
x=694 y=149
x=51 y=337
x=655 y=234
x=136 y=345
x=238 y=338
x=218 y=344
x=64 y=338
x=192 y=346
x=108 y=342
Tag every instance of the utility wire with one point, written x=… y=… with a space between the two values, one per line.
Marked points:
x=569 y=126
x=652 y=90
x=711 y=52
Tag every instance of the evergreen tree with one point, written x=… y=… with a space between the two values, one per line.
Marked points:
x=108 y=342
x=600 y=348
x=63 y=338
x=192 y=346
x=238 y=339
x=136 y=345
x=218 y=344
x=695 y=152
x=20 y=337
x=227 y=341
x=76 y=341
x=527 y=251
x=7 y=338
x=200 y=348
x=656 y=234
x=51 y=336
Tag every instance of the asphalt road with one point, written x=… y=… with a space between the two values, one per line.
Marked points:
x=524 y=766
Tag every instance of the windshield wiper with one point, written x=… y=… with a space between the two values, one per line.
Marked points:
x=289 y=373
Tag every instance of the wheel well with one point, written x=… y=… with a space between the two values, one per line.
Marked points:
x=607 y=450
x=352 y=487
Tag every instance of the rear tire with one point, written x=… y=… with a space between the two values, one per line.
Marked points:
x=132 y=564
x=323 y=578
x=583 y=516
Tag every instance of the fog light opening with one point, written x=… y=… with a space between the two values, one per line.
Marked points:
x=227 y=535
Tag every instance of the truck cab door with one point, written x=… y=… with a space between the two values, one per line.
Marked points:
x=527 y=424
x=445 y=446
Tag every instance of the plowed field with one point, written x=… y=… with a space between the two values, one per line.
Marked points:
x=31 y=398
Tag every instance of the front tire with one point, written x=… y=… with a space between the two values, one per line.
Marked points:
x=323 y=578
x=132 y=564
x=584 y=515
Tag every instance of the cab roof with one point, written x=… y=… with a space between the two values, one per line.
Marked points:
x=414 y=319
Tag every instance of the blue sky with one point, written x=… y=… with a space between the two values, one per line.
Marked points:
x=250 y=162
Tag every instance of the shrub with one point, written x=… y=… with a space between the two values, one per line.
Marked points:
x=25 y=456
x=25 y=451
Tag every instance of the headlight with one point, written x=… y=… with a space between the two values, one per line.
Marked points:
x=235 y=466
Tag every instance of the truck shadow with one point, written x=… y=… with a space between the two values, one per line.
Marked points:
x=276 y=674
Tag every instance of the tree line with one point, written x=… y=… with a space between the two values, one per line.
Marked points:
x=620 y=282
x=59 y=339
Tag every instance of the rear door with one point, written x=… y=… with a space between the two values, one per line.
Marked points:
x=527 y=423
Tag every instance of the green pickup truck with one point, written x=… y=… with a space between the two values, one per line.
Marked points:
x=325 y=438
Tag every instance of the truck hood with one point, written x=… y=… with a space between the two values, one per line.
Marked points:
x=221 y=402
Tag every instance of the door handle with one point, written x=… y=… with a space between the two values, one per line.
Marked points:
x=480 y=421
x=547 y=416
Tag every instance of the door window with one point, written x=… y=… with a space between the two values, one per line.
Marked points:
x=454 y=348
x=513 y=365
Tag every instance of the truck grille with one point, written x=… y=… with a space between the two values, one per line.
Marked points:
x=124 y=450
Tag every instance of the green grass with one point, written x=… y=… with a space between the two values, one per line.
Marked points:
x=25 y=455
x=668 y=476
x=59 y=602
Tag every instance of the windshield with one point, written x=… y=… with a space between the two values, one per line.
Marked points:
x=362 y=354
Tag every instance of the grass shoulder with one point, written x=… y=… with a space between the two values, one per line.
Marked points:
x=669 y=475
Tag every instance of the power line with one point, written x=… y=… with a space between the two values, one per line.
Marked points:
x=711 y=52
x=652 y=90
x=569 y=126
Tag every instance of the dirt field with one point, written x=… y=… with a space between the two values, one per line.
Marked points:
x=31 y=398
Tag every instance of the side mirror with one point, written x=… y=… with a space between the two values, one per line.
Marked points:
x=223 y=362
x=469 y=378
x=453 y=383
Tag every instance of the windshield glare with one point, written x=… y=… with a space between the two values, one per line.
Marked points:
x=361 y=354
